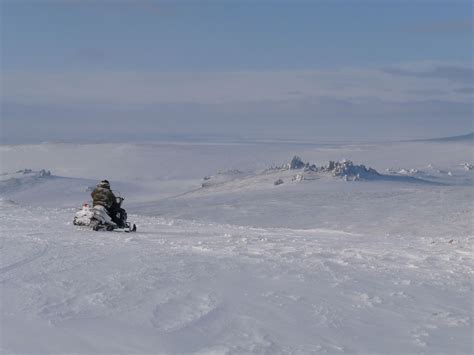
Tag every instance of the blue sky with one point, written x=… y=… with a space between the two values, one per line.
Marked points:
x=235 y=68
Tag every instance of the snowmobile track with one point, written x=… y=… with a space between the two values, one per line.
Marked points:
x=27 y=259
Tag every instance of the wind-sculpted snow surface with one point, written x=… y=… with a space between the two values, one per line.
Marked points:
x=184 y=287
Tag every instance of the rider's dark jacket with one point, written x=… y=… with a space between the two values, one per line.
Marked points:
x=103 y=196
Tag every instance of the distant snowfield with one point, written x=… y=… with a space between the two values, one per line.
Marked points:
x=240 y=265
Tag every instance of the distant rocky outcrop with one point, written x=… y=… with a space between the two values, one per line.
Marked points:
x=345 y=169
x=40 y=173
x=296 y=163
x=349 y=171
x=278 y=182
x=408 y=172
x=298 y=178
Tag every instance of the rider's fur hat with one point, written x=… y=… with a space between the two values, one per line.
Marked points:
x=105 y=184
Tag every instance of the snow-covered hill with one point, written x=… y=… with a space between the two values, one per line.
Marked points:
x=464 y=138
x=339 y=258
x=22 y=178
x=43 y=188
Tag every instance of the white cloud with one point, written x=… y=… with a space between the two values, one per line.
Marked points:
x=126 y=88
x=403 y=102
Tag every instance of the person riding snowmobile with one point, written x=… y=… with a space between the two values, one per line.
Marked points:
x=103 y=196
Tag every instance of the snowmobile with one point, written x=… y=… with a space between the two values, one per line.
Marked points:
x=98 y=218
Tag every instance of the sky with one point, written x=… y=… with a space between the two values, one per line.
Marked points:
x=104 y=70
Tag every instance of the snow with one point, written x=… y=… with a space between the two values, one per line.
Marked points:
x=314 y=265
x=84 y=215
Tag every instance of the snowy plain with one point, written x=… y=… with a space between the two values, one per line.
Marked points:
x=235 y=264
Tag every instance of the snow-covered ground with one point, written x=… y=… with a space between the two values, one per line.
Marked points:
x=234 y=263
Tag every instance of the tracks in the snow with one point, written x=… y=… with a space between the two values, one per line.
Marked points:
x=42 y=250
